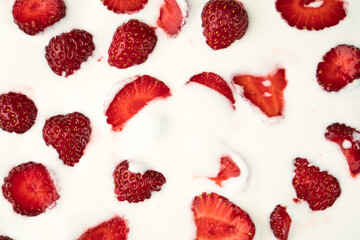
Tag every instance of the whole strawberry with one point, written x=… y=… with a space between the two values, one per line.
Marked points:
x=17 y=112
x=318 y=188
x=5 y=238
x=132 y=43
x=69 y=135
x=33 y=16
x=67 y=51
x=224 y=22
x=280 y=222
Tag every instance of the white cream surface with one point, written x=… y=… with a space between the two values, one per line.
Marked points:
x=185 y=135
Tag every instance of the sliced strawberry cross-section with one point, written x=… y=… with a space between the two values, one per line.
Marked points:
x=125 y=6
x=280 y=222
x=171 y=18
x=228 y=169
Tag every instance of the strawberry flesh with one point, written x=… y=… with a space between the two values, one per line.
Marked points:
x=30 y=188
x=216 y=218
x=228 y=169
x=311 y=14
x=280 y=222
x=132 y=98
x=340 y=66
x=319 y=188
x=342 y=134
x=265 y=92
x=171 y=18
x=125 y=6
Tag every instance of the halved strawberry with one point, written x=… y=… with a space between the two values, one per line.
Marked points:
x=33 y=16
x=280 y=222
x=340 y=66
x=125 y=6
x=171 y=18
x=348 y=139
x=228 y=169
x=319 y=188
x=132 y=98
x=265 y=92
x=311 y=14
x=114 y=229
x=216 y=218
x=30 y=189
x=214 y=82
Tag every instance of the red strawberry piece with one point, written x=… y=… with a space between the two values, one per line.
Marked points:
x=17 y=112
x=265 y=92
x=228 y=169
x=217 y=218
x=125 y=6
x=214 y=82
x=311 y=14
x=340 y=66
x=132 y=43
x=30 y=189
x=66 y=52
x=224 y=22
x=171 y=18
x=348 y=139
x=280 y=222
x=113 y=229
x=318 y=188
x=33 y=16
x=69 y=135
x=5 y=238
x=132 y=98
x=135 y=187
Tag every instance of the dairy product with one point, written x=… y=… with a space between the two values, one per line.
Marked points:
x=185 y=135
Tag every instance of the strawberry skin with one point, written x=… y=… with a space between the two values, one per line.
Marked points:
x=135 y=187
x=17 y=112
x=216 y=218
x=171 y=18
x=265 y=92
x=280 y=222
x=68 y=134
x=67 y=51
x=33 y=16
x=224 y=22
x=113 y=229
x=30 y=188
x=125 y=6
x=5 y=238
x=340 y=133
x=311 y=14
x=228 y=169
x=132 y=43
x=340 y=66
x=318 y=188
x=132 y=98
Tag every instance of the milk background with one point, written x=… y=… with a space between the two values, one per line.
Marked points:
x=184 y=135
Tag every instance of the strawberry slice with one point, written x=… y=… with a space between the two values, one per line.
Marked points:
x=311 y=14
x=214 y=82
x=30 y=188
x=265 y=92
x=216 y=218
x=171 y=18
x=348 y=139
x=113 y=229
x=33 y=16
x=132 y=98
x=280 y=222
x=125 y=6
x=228 y=169
x=340 y=66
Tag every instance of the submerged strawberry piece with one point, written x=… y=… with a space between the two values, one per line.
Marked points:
x=113 y=229
x=33 y=16
x=340 y=66
x=132 y=98
x=348 y=139
x=319 y=188
x=280 y=222
x=311 y=14
x=228 y=169
x=135 y=187
x=30 y=189
x=265 y=92
x=171 y=18
x=216 y=218
x=125 y=6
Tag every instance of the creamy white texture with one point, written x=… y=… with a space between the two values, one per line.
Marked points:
x=184 y=135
